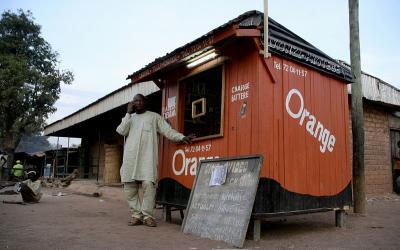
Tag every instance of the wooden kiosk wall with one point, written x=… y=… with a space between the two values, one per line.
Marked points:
x=296 y=174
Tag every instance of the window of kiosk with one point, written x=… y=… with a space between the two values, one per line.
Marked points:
x=203 y=103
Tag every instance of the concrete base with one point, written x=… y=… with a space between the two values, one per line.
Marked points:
x=340 y=218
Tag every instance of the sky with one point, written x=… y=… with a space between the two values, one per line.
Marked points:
x=102 y=42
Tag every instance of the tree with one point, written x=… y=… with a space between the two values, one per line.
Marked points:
x=29 y=79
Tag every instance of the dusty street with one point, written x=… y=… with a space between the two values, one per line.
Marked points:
x=79 y=222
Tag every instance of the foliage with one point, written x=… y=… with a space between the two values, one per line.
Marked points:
x=29 y=78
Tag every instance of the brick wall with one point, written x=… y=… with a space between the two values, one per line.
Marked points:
x=378 y=169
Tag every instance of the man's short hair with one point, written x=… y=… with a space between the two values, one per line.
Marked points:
x=141 y=95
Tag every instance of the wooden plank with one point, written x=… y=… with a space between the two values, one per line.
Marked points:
x=245 y=68
x=232 y=77
x=279 y=167
x=248 y=32
x=311 y=152
x=335 y=124
x=265 y=117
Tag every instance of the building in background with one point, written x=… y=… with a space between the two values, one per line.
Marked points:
x=382 y=133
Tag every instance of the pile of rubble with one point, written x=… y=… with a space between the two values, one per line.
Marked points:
x=60 y=183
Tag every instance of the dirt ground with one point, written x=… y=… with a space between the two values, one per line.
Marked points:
x=74 y=221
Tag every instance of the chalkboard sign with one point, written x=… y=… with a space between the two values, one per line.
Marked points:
x=222 y=199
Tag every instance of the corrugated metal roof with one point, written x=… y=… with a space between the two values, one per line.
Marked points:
x=113 y=100
x=374 y=89
x=281 y=41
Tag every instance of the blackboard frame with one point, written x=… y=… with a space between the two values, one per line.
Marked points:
x=248 y=201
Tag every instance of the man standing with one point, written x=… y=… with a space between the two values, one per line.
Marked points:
x=141 y=157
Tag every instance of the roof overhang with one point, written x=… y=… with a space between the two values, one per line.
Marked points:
x=281 y=41
x=376 y=90
x=185 y=54
x=111 y=101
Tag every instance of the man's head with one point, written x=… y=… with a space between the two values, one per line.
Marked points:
x=18 y=162
x=139 y=103
x=32 y=175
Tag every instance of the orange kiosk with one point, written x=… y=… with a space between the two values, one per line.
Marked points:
x=292 y=108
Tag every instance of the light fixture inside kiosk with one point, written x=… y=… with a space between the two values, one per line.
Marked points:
x=202 y=58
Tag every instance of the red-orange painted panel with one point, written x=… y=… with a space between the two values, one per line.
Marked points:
x=280 y=122
x=313 y=130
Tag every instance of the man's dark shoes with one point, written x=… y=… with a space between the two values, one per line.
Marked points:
x=150 y=222
x=135 y=222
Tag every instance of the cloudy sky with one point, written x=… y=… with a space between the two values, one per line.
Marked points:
x=104 y=41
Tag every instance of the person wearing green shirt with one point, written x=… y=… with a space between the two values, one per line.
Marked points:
x=17 y=172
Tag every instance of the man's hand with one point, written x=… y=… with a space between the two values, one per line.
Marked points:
x=131 y=108
x=188 y=139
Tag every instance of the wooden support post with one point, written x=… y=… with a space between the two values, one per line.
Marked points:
x=182 y=214
x=98 y=156
x=340 y=217
x=66 y=162
x=266 y=53
x=256 y=229
x=357 y=117
x=167 y=213
x=54 y=174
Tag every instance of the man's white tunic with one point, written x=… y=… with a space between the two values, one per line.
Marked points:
x=140 y=158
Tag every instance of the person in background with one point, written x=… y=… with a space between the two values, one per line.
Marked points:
x=396 y=170
x=3 y=159
x=30 y=189
x=17 y=172
x=140 y=157
x=3 y=162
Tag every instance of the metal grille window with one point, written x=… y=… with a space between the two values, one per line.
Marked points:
x=203 y=101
